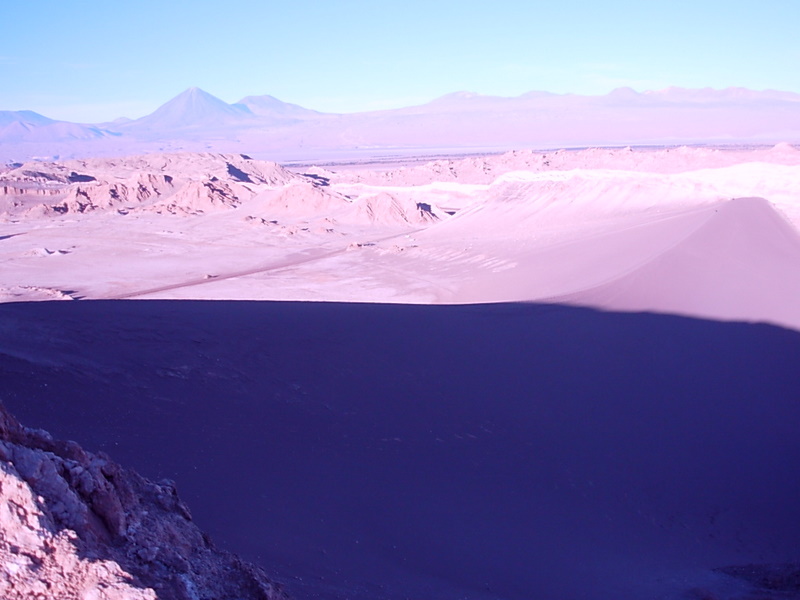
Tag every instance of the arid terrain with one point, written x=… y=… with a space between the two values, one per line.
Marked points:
x=527 y=374
x=400 y=300
x=693 y=231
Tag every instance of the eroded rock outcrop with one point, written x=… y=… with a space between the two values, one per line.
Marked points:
x=182 y=183
x=76 y=525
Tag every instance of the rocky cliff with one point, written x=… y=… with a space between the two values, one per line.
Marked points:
x=76 y=525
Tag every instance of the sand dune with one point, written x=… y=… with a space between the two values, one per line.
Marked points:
x=741 y=264
x=372 y=451
x=735 y=259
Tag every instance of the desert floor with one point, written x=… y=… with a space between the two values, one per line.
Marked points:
x=700 y=232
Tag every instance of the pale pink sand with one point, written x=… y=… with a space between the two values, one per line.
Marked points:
x=581 y=227
x=742 y=263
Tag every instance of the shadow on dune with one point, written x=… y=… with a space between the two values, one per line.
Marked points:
x=391 y=451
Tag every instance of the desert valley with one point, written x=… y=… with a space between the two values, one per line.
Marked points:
x=694 y=231
x=534 y=347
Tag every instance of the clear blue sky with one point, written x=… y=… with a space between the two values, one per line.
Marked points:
x=95 y=60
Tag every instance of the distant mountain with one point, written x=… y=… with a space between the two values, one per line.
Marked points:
x=463 y=121
x=116 y=122
x=731 y=94
x=618 y=96
x=191 y=109
x=197 y=111
x=460 y=98
x=269 y=106
x=459 y=101
x=22 y=116
x=29 y=126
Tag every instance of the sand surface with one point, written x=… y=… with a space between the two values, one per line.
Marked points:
x=692 y=231
x=392 y=451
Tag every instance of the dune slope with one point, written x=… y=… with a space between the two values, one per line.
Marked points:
x=740 y=264
x=489 y=451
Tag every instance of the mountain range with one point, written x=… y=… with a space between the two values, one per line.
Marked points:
x=270 y=128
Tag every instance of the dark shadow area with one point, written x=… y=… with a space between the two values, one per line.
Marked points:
x=387 y=451
x=112 y=514
x=79 y=178
x=238 y=174
x=318 y=179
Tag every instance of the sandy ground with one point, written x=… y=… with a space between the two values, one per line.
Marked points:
x=503 y=451
x=616 y=229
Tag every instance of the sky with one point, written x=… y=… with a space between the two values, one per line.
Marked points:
x=93 y=60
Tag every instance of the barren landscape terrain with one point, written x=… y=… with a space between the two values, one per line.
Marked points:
x=704 y=232
x=400 y=300
x=562 y=374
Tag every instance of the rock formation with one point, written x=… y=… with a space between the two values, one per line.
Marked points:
x=180 y=183
x=76 y=525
